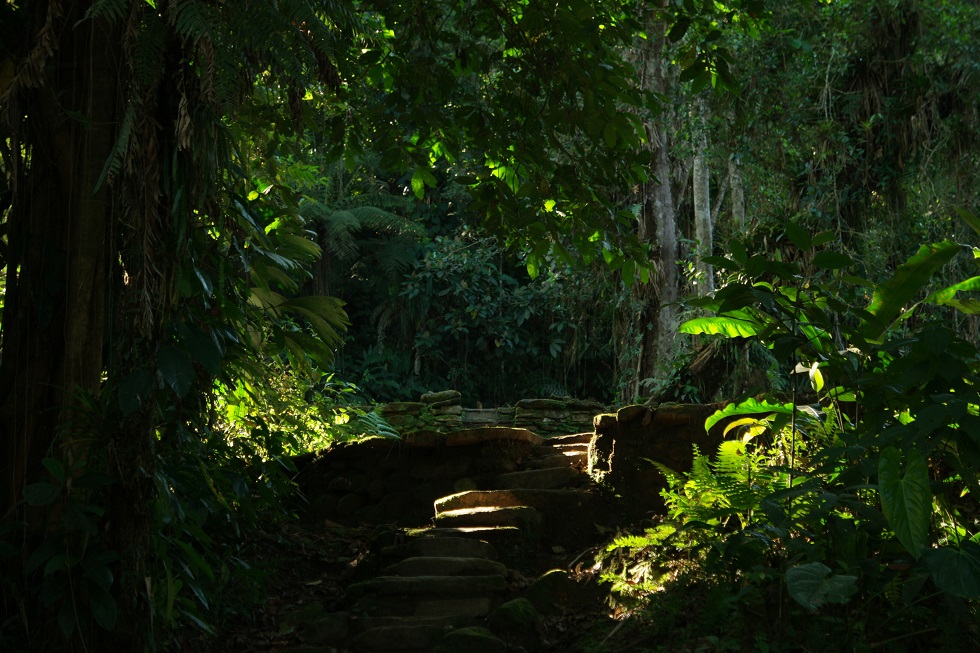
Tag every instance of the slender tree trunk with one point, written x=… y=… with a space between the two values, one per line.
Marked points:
x=657 y=223
x=702 y=207
x=738 y=193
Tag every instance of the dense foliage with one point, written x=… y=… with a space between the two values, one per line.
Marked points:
x=236 y=226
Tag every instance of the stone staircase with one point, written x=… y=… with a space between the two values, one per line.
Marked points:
x=460 y=584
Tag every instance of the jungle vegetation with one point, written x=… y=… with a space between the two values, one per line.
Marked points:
x=227 y=228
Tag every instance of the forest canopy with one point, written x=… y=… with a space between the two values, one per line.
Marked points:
x=228 y=229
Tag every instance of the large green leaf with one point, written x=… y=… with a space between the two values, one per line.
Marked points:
x=737 y=325
x=176 y=368
x=812 y=585
x=906 y=498
x=750 y=406
x=892 y=296
x=956 y=570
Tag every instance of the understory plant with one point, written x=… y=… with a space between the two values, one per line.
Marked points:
x=841 y=513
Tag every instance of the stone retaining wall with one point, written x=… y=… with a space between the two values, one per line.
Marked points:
x=389 y=481
x=442 y=411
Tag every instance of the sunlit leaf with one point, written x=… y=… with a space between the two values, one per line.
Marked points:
x=750 y=406
x=731 y=327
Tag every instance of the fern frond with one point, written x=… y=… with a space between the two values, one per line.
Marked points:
x=113 y=9
x=115 y=161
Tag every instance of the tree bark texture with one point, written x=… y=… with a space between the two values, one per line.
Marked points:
x=657 y=222
x=703 y=228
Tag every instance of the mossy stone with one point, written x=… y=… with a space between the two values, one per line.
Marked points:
x=517 y=622
x=472 y=640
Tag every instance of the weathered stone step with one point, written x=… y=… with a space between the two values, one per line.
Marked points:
x=501 y=538
x=401 y=637
x=574 y=438
x=445 y=566
x=562 y=501
x=362 y=623
x=568 y=516
x=523 y=517
x=561 y=458
x=426 y=596
x=421 y=585
x=452 y=547
x=540 y=479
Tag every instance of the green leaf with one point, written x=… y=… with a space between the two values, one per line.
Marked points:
x=956 y=570
x=812 y=585
x=56 y=467
x=906 y=498
x=728 y=326
x=629 y=272
x=798 y=235
x=969 y=218
x=176 y=369
x=891 y=296
x=750 y=406
x=103 y=607
x=832 y=260
x=41 y=494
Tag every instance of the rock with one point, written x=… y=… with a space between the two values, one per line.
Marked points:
x=555 y=592
x=294 y=618
x=444 y=546
x=436 y=397
x=541 y=404
x=376 y=488
x=465 y=484
x=472 y=640
x=350 y=504
x=407 y=636
x=518 y=623
x=492 y=434
x=401 y=408
x=540 y=479
x=329 y=629
x=446 y=566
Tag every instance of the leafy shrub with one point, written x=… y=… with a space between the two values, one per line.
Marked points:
x=847 y=500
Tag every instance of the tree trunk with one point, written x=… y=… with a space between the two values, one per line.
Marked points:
x=702 y=208
x=54 y=322
x=738 y=193
x=657 y=223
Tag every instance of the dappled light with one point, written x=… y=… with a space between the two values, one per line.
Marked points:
x=469 y=325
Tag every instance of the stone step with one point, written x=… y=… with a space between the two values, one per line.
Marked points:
x=426 y=605
x=577 y=459
x=367 y=622
x=499 y=537
x=404 y=638
x=574 y=438
x=561 y=501
x=540 y=479
x=445 y=566
x=569 y=517
x=523 y=517
x=423 y=585
x=452 y=547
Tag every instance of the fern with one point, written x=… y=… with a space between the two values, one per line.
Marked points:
x=112 y=9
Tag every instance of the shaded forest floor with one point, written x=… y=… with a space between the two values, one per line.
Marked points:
x=292 y=566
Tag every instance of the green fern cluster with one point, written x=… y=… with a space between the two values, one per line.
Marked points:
x=714 y=492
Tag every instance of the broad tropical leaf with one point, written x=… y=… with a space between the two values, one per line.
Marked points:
x=733 y=325
x=812 y=585
x=906 y=498
x=956 y=569
x=750 y=406
x=891 y=297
